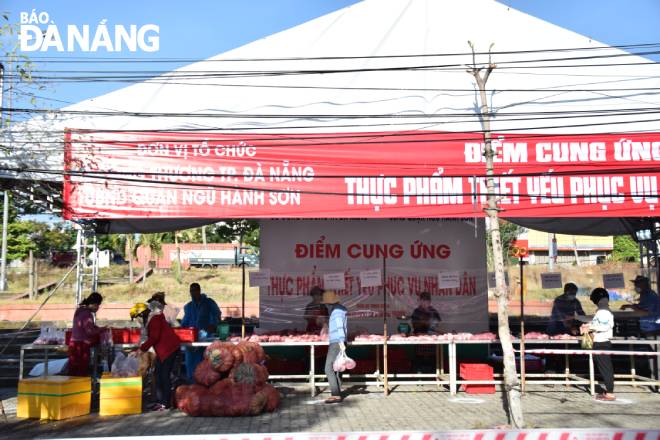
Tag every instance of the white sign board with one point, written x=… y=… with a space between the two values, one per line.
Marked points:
x=260 y=278
x=371 y=278
x=449 y=280
x=303 y=254
x=334 y=281
x=551 y=280
x=613 y=281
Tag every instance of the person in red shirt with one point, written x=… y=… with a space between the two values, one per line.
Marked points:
x=166 y=343
x=85 y=334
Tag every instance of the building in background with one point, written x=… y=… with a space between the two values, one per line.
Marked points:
x=569 y=249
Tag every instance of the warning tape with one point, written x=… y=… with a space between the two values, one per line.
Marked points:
x=492 y=434
x=597 y=352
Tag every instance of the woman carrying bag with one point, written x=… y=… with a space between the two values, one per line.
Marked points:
x=166 y=344
x=337 y=339
x=600 y=331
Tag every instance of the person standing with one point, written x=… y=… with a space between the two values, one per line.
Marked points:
x=315 y=312
x=85 y=334
x=170 y=312
x=425 y=318
x=337 y=332
x=601 y=327
x=203 y=314
x=648 y=306
x=564 y=309
x=166 y=344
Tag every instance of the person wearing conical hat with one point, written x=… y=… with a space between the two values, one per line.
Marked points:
x=337 y=332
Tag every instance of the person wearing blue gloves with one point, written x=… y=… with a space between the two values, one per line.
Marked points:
x=203 y=314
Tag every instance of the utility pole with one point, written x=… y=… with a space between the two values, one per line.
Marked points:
x=5 y=198
x=512 y=386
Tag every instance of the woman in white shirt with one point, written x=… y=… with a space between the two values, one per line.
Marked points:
x=601 y=327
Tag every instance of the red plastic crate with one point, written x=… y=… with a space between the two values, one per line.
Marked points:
x=126 y=335
x=477 y=372
x=186 y=334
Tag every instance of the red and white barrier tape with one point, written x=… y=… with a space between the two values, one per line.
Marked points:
x=492 y=434
x=610 y=352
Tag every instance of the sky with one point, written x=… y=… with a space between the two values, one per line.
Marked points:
x=204 y=28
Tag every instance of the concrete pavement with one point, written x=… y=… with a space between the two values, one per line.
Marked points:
x=407 y=408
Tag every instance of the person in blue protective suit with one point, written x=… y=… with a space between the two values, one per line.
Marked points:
x=204 y=314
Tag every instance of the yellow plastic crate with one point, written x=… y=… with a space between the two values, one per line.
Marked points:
x=120 y=396
x=54 y=397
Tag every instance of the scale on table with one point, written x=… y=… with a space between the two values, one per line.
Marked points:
x=404 y=326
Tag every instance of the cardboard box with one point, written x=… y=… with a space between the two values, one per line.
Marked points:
x=120 y=395
x=54 y=397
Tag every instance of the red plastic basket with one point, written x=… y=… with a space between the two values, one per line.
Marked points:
x=477 y=372
x=126 y=335
x=186 y=334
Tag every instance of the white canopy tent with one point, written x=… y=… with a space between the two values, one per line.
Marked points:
x=385 y=65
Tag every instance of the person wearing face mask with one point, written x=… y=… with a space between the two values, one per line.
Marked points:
x=564 y=309
x=601 y=327
x=648 y=307
x=85 y=334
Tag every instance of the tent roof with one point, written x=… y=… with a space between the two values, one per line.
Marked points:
x=274 y=77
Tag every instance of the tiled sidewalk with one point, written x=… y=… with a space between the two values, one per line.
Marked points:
x=407 y=408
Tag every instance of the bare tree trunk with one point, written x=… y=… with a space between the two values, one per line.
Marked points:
x=129 y=254
x=575 y=250
x=511 y=382
x=204 y=236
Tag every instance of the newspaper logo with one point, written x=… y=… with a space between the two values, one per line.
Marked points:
x=39 y=33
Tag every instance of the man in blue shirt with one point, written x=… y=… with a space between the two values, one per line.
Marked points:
x=648 y=305
x=337 y=333
x=204 y=314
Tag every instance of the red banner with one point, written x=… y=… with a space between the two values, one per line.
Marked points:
x=356 y=175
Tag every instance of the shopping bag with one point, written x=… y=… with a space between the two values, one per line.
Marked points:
x=587 y=341
x=343 y=362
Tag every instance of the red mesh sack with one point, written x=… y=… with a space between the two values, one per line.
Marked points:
x=218 y=407
x=205 y=374
x=249 y=352
x=257 y=403
x=192 y=401
x=272 y=397
x=219 y=354
x=221 y=387
x=249 y=373
x=238 y=400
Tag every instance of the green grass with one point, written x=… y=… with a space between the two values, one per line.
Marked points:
x=221 y=282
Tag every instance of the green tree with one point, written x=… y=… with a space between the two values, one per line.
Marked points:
x=154 y=243
x=20 y=240
x=625 y=249
x=19 y=66
x=234 y=230
x=509 y=232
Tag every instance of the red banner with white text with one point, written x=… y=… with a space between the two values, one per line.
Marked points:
x=422 y=174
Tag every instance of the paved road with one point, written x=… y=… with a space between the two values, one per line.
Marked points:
x=408 y=408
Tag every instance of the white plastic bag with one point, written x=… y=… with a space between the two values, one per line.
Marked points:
x=343 y=362
x=49 y=335
x=55 y=366
x=124 y=366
